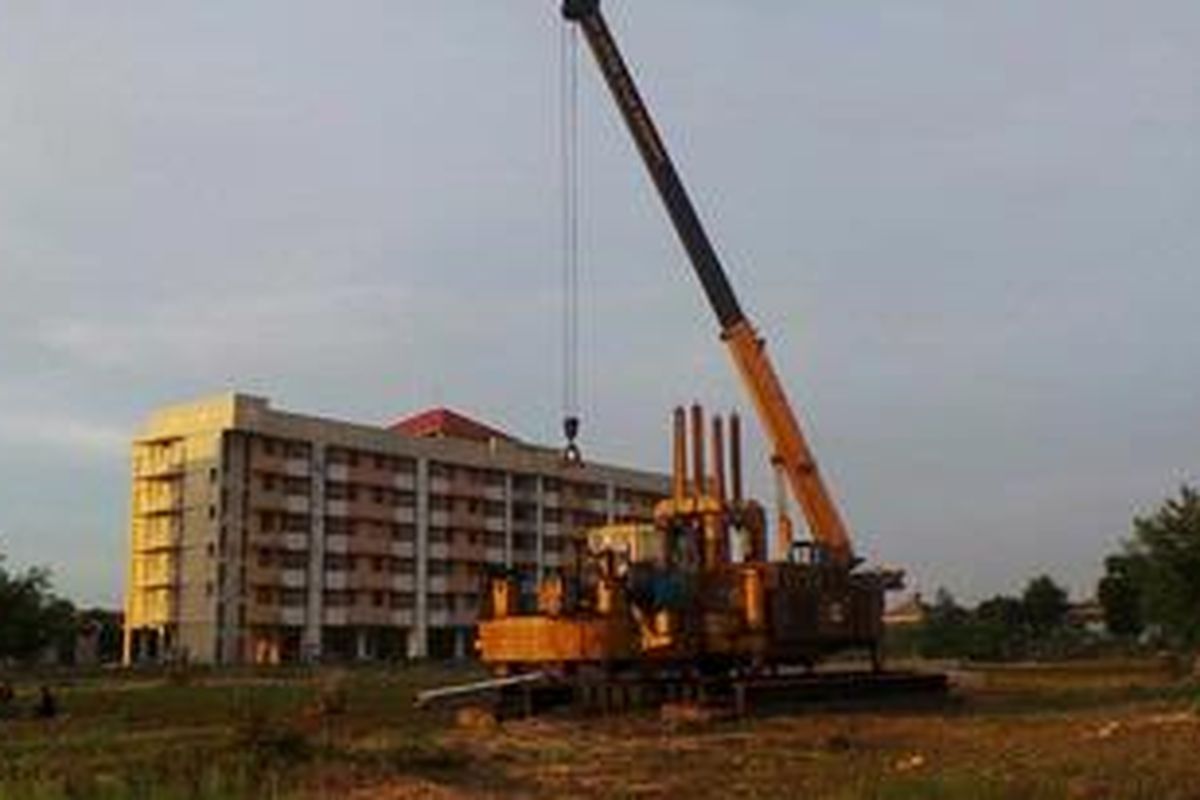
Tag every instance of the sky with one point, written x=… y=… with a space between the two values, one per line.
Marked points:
x=968 y=230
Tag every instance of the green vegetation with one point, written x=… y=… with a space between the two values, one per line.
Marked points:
x=1032 y=626
x=33 y=618
x=1153 y=584
x=208 y=734
x=1106 y=729
x=37 y=624
x=1150 y=596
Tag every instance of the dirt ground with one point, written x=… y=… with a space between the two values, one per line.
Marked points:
x=1112 y=730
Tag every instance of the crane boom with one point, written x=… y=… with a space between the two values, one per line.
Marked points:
x=792 y=454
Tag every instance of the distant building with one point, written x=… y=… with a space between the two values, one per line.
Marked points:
x=262 y=536
x=909 y=612
x=1088 y=615
x=97 y=637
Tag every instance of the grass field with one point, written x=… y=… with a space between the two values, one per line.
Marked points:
x=1093 y=730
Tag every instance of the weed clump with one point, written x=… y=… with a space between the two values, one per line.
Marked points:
x=269 y=744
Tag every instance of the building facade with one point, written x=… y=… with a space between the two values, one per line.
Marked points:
x=263 y=536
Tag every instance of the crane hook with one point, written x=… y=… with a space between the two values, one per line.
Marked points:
x=571 y=455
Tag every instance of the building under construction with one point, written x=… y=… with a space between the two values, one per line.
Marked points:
x=261 y=536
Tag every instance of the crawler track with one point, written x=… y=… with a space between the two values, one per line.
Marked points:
x=739 y=695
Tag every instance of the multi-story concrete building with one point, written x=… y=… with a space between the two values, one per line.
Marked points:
x=259 y=535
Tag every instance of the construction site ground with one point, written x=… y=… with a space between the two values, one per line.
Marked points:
x=1084 y=730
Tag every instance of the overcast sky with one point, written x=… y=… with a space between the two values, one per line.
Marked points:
x=969 y=230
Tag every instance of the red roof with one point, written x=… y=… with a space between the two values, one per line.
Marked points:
x=445 y=423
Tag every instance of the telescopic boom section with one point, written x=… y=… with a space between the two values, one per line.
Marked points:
x=748 y=350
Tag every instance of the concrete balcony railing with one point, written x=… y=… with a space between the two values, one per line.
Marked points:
x=369 y=580
x=293 y=615
x=297 y=504
x=160 y=533
x=464 y=618
x=153 y=503
x=158 y=580
x=159 y=466
x=464 y=550
x=461 y=583
x=294 y=578
x=596 y=505
x=297 y=467
x=295 y=541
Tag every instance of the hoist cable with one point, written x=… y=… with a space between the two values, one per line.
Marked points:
x=570 y=182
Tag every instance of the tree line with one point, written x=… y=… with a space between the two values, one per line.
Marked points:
x=1151 y=587
x=1149 y=595
x=38 y=626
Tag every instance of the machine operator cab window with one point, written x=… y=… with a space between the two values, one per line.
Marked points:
x=807 y=552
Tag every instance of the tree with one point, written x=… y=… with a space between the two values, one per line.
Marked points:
x=33 y=619
x=1002 y=627
x=942 y=633
x=1045 y=605
x=1121 y=597
x=1007 y=611
x=1162 y=562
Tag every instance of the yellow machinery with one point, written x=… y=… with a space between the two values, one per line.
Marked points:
x=696 y=590
x=693 y=591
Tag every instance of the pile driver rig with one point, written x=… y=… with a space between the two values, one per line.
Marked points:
x=692 y=606
x=696 y=593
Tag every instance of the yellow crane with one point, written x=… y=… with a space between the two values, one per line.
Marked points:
x=674 y=598
x=792 y=455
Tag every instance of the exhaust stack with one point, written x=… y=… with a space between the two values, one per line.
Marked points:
x=735 y=457
x=699 y=482
x=679 y=455
x=718 y=459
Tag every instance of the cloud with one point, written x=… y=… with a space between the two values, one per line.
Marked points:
x=70 y=436
x=240 y=330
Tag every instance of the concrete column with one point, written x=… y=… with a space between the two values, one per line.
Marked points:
x=235 y=477
x=460 y=643
x=418 y=635
x=541 y=525
x=310 y=641
x=610 y=502
x=508 y=520
x=361 y=651
x=127 y=643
